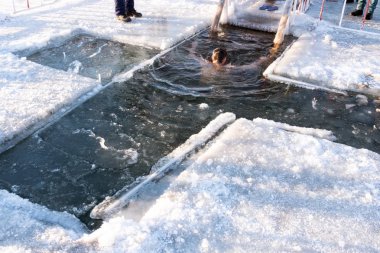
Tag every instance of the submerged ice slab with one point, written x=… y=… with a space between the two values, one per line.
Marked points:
x=92 y=57
x=331 y=58
x=31 y=94
x=261 y=186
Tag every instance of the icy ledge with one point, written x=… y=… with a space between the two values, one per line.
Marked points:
x=318 y=133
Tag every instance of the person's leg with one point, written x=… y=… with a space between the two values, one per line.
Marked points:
x=130 y=5
x=359 y=8
x=131 y=12
x=120 y=11
x=372 y=7
x=119 y=7
x=361 y=4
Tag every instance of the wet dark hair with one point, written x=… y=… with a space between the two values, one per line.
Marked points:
x=219 y=54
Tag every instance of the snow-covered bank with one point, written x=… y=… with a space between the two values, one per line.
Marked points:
x=247 y=14
x=163 y=24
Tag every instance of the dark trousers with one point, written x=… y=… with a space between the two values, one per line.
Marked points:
x=123 y=6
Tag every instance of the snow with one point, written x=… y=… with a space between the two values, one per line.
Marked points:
x=332 y=13
x=258 y=185
x=246 y=13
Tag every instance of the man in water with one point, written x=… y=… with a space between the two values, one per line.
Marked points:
x=219 y=57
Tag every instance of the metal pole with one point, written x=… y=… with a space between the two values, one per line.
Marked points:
x=226 y=10
x=365 y=14
x=14 y=7
x=215 y=23
x=284 y=22
x=27 y=4
x=322 y=7
x=307 y=5
x=341 y=16
x=292 y=12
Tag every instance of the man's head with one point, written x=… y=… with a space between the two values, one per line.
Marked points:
x=219 y=56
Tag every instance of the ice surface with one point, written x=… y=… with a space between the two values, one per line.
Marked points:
x=319 y=133
x=92 y=57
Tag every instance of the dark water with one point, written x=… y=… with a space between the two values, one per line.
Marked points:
x=186 y=71
x=109 y=141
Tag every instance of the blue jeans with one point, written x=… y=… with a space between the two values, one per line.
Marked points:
x=361 y=5
x=123 y=6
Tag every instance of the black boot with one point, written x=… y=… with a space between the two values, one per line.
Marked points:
x=134 y=13
x=123 y=18
x=368 y=16
x=357 y=13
